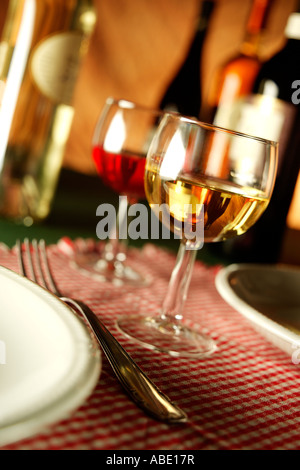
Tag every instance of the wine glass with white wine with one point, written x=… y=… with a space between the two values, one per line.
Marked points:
x=206 y=184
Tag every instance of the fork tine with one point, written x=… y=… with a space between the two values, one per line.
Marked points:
x=38 y=264
x=20 y=258
x=30 y=261
x=43 y=252
x=22 y=265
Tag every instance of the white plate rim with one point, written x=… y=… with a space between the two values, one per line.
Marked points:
x=253 y=315
x=74 y=393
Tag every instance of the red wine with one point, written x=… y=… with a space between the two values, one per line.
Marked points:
x=122 y=172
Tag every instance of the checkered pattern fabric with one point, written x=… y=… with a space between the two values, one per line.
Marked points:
x=245 y=396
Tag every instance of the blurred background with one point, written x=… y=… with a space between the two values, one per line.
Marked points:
x=138 y=47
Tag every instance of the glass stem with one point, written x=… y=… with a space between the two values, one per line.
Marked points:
x=115 y=250
x=114 y=247
x=179 y=283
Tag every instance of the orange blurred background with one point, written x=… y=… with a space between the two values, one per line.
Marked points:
x=136 y=49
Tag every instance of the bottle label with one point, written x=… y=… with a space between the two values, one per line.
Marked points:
x=55 y=65
x=260 y=116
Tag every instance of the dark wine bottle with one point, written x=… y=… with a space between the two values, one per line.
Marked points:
x=272 y=111
x=183 y=94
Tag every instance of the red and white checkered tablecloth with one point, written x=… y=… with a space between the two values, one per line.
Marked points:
x=245 y=396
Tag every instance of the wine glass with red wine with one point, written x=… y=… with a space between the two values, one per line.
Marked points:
x=120 y=144
x=206 y=184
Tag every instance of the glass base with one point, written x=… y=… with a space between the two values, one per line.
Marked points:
x=167 y=336
x=117 y=272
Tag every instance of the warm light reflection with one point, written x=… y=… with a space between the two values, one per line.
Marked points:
x=230 y=89
x=270 y=89
x=116 y=134
x=216 y=155
x=15 y=74
x=293 y=219
x=174 y=157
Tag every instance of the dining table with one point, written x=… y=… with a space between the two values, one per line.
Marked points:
x=245 y=396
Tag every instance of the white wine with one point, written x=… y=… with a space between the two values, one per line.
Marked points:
x=228 y=209
x=42 y=46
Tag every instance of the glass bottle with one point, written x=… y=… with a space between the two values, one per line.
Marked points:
x=43 y=44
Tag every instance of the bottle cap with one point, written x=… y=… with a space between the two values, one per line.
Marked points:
x=292 y=30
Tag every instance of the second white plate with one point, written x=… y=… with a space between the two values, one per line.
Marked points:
x=269 y=297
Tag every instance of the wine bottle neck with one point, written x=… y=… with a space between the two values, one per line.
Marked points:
x=250 y=44
x=207 y=8
x=255 y=26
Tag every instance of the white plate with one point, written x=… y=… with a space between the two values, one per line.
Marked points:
x=268 y=296
x=49 y=363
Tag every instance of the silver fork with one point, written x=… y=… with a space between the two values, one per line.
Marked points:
x=137 y=385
